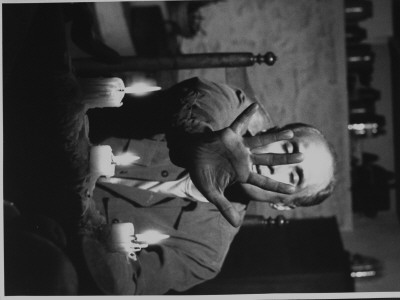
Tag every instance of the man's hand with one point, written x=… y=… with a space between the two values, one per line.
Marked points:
x=224 y=157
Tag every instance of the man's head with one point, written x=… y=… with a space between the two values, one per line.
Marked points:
x=314 y=177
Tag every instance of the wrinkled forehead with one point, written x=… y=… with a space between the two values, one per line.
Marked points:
x=318 y=163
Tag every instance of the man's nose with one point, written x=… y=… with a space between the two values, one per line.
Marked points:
x=281 y=168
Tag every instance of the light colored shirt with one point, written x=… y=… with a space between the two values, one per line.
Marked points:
x=182 y=188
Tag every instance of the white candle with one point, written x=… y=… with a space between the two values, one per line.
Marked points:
x=121 y=233
x=120 y=237
x=102 y=92
x=101 y=161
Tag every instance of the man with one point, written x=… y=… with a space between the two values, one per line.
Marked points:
x=205 y=125
x=313 y=177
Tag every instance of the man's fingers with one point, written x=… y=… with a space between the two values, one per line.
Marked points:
x=241 y=123
x=267 y=138
x=270 y=184
x=273 y=159
x=206 y=182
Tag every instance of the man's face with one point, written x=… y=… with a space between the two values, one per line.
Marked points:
x=309 y=176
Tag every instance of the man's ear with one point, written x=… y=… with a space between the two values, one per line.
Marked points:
x=280 y=206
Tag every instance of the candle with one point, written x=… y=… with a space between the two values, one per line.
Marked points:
x=102 y=92
x=121 y=233
x=120 y=237
x=101 y=161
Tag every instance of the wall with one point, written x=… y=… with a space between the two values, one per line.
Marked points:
x=307 y=84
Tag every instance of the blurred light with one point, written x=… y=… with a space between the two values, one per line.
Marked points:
x=141 y=88
x=363 y=128
x=361 y=274
x=353 y=9
x=151 y=237
x=359 y=58
x=125 y=159
x=360 y=110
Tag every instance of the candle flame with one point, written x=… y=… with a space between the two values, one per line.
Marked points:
x=141 y=88
x=125 y=159
x=151 y=237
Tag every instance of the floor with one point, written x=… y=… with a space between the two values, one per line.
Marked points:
x=378 y=238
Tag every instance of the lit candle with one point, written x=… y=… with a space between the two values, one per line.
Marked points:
x=120 y=237
x=102 y=92
x=121 y=233
x=101 y=161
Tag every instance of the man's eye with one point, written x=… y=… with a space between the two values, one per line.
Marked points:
x=288 y=148
x=294 y=178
